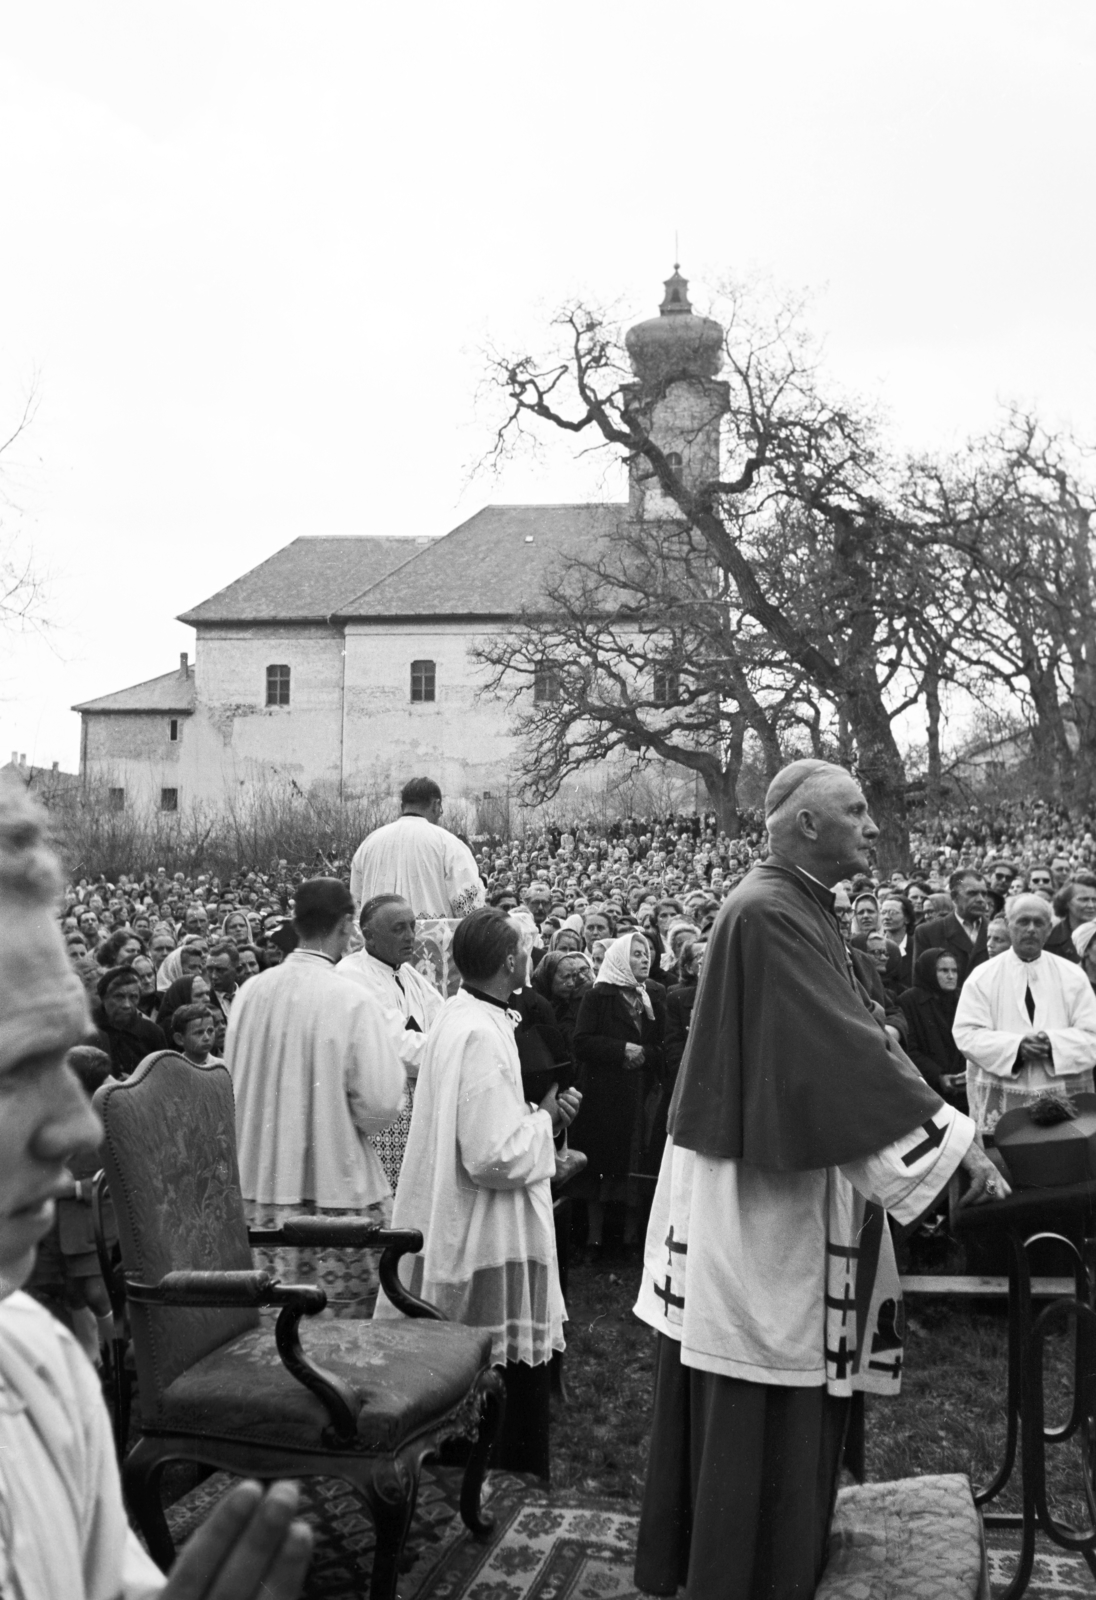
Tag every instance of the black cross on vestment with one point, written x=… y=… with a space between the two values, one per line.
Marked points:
x=934 y=1138
x=893 y=1367
x=664 y=1294
x=840 y=1357
x=845 y=1305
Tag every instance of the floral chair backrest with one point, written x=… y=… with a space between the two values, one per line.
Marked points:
x=169 y=1153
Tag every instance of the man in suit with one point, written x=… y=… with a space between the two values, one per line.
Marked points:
x=962 y=933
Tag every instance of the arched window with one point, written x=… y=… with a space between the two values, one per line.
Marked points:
x=423 y=681
x=277 y=686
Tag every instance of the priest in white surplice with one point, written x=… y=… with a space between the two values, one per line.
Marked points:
x=416 y=858
x=409 y=1003
x=315 y=1071
x=477 y=1183
x=1026 y=1021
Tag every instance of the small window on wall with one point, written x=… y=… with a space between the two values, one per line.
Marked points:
x=277 y=686
x=116 y=799
x=173 y=729
x=169 y=799
x=546 y=683
x=422 y=681
x=666 y=686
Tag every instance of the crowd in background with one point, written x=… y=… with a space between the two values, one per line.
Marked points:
x=163 y=956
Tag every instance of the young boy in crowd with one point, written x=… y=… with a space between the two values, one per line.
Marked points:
x=192 y=1031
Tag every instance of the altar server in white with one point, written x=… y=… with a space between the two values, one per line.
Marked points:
x=1026 y=1021
x=315 y=1071
x=409 y=1003
x=418 y=859
x=476 y=1181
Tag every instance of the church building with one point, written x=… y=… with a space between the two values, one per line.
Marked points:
x=341 y=659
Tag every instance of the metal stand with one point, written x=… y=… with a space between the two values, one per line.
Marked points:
x=1019 y=1216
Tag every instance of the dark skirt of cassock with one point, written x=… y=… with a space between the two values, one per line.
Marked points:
x=741 y=1484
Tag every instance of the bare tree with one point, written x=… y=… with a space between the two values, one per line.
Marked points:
x=801 y=519
x=639 y=650
x=1017 y=509
x=22 y=585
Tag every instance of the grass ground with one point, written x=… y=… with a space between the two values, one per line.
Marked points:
x=950 y=1416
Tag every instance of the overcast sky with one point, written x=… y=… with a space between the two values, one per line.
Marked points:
x=251 y=255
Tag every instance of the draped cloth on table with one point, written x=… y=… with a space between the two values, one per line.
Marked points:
x=785 y=1067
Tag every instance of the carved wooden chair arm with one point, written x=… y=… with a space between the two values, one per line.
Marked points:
x=349 y=1233
x=243 y=1288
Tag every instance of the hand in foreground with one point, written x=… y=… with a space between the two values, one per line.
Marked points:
x=250 y=1548
x=986 y=1181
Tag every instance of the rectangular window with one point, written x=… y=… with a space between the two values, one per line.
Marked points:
x=169 y=799
x=173 y=729
x=546 y=683
x=116 y=799
x=422 y=681
x=277 y=686
x=667 y=685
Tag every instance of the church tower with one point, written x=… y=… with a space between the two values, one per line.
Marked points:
x=675 y=357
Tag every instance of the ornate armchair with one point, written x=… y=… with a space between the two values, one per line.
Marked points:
x=216 y=1384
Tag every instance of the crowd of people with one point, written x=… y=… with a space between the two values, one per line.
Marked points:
x=584 y=1054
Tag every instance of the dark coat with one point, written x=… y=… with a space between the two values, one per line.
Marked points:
x=126 y=1047
x=679 y=1010
x=542 y=1050
x=786 y=1068
x=947 y=933
x=610 y=1125
x=1060 y=941
x=930 y=1013
x=868 y=973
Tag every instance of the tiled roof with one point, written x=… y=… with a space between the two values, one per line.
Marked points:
x=490 y=566
x=172 y=692
x=307 y=580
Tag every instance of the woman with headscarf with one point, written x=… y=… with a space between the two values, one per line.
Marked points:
x=618 y=1045
x=678 y=932
x=562 y=978
x=929 y=1010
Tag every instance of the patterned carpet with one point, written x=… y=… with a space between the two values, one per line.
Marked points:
x=542 y=1547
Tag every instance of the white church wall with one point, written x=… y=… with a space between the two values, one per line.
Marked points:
x=249 y=740
x=458 y=739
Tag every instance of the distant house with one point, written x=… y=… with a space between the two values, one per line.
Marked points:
x=338 y=658
x=48 y=784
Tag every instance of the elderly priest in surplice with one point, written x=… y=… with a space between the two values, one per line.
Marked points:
x=769 y=1272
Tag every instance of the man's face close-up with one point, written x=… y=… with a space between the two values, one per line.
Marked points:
x=391 y=934
x=972 y=900
x=120 y=1005
x=846 y=831
x=44 y=1118
x=1029 y=928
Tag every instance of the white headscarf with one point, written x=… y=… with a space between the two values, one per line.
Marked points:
x=617 y=968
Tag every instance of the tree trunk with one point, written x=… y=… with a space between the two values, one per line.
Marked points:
x=721 y=778
x=934 y=778
x=882 y=774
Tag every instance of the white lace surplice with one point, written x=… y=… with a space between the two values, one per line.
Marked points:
x=789 y=1278
x=476 y=1179
x=991 y=1019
